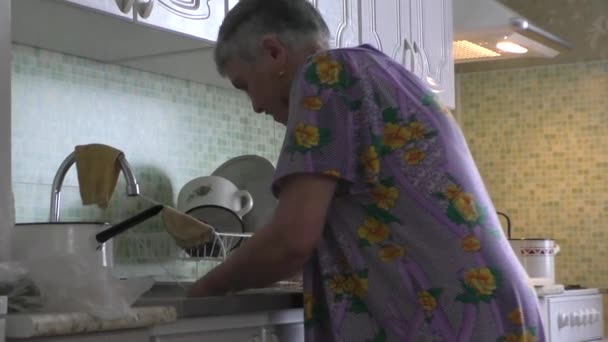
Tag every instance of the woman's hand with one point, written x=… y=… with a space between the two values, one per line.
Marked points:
x=204 y=288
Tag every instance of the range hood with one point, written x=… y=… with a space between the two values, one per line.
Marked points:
x=486 y=30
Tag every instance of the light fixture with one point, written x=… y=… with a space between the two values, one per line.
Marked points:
x=507 y=46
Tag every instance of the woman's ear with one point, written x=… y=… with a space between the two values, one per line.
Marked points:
x=275 y=51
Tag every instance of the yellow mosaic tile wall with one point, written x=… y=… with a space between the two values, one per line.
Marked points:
x=540 y=138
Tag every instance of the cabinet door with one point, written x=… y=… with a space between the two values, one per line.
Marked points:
x=385 y=24
x=233 y=335
x=121 y=8
x=197 y=18
x=432 y=34
x=342 y=18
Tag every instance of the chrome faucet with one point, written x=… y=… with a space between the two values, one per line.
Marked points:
x=132 y=185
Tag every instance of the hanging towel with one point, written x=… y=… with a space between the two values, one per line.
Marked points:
x=98 y=169
x=187 y=231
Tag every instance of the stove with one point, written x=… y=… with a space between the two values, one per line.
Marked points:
x=571 y=313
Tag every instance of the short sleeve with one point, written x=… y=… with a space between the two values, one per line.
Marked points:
x=322 y=129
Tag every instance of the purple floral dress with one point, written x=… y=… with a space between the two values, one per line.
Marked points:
x=412 y=249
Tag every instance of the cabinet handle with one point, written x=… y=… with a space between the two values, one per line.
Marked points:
x=417 y=54
x=407 y=47
x=125 y=6
x=144 y=8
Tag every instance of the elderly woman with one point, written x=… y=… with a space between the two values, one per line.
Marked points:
x=380 y=201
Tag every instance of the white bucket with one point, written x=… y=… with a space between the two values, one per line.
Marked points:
x=537 y=256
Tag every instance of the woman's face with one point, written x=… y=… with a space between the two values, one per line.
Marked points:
x=266 y=81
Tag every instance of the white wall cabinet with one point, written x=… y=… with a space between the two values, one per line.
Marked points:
x=98 y=29
x=120 y=8
x=342 y=18
x=175 y=37
x=197 y=18
x=432 y=35
x=416 y=33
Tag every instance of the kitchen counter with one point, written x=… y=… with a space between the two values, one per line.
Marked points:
x=267 y=299
x=165 y=309
x=21 y=326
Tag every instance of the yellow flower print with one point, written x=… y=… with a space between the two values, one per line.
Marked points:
x=321 y=58
x=312 y=103
x=417 y=130
x=452 y=191
x=370 y=161
x=343 y=264
x=341 y=284
x=525 y=337
x=373 y=230
x=360 y=286
x=414 y=156
x=396 y=136
x=309 y=303
x=427 y=301
x=516 y=317
x=385 y=196
x=333 y=173
x=481 y=279
x=465 y=204
x=307 y=136
x=390 y=253
x=328 y=70
x=471 y=243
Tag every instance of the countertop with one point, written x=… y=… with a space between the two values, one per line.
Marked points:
x=162 y=304
x=72 y=323
x=267 y=299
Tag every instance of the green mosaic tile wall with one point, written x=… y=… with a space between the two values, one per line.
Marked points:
x=540 y=138
x=170 y=130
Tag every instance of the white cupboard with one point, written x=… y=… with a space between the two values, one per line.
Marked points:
x=175 y=37
x=431 y=36
x=96 y=29
x=120 y=8
x=342 y=18
x=416 y=33
x=197 y=18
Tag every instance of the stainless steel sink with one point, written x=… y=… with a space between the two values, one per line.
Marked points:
x=265 y=299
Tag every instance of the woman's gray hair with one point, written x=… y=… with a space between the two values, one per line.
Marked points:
x=295 y=22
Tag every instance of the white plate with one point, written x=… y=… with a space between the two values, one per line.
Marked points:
x=254 y=174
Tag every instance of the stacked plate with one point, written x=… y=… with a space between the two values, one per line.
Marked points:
x=248 y=178
x=253 y=174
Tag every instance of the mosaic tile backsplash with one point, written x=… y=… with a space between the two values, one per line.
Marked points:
x=170 y=130
x=540 y=138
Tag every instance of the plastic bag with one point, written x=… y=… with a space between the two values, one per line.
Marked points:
x=68 y=283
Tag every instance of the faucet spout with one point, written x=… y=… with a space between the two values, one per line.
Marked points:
x=127 y=171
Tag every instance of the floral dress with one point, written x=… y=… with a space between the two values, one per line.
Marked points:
x=412 y=249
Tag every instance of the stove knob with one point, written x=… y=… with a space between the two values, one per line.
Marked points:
x=575 y=318
x=562 y=320
x=586 y=317
x=595 y=316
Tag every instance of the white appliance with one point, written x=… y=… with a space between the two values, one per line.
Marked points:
x=573 y=316
x=488 y=30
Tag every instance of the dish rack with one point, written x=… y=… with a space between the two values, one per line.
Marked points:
x=157 y=255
